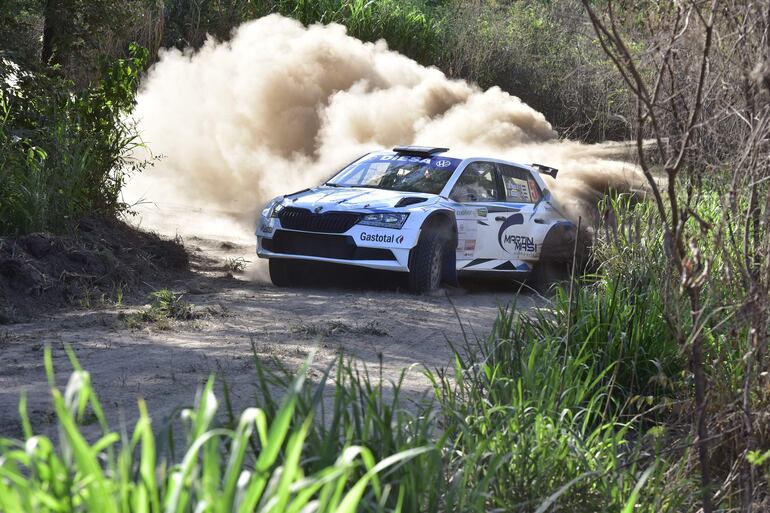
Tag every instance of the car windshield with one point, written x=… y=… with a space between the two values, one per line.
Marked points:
x=396 y=172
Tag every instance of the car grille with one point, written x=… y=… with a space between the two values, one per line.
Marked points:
x=293 y=218
x=328 y=246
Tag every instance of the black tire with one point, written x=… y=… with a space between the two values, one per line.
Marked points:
x=281 y=272
x=549 y=272
x=426 y=262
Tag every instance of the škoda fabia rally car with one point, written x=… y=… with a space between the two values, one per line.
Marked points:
x=423 y=211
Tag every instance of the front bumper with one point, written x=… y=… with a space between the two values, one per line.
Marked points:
x=361 y=246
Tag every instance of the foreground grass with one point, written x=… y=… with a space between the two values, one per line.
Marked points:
x=255 y=464
x=531 y=418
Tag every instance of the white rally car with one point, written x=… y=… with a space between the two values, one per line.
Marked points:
x=423 y=211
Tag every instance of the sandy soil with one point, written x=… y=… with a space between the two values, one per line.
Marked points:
x=166 y=362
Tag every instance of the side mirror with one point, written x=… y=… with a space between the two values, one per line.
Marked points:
x=546 y=195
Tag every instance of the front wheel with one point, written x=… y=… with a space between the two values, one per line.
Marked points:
x=282 y=272
x=427 y=262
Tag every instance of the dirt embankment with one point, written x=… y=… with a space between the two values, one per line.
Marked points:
x=100 y=260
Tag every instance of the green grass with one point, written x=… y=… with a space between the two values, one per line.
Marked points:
x=533 y=415
x=168 y=305
x=366 y=411
x=581 y=406
x=258 y=462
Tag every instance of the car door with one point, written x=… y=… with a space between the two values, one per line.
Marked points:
x=478 y=190
x=524 y=225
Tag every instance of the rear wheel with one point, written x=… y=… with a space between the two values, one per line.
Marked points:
x=549 y=272
x=427 y=262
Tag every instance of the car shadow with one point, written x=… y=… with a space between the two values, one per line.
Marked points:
x=322 y=275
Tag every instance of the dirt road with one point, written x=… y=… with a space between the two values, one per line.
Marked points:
x=165 y=362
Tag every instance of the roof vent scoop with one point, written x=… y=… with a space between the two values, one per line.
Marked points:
x=550 y=171
x=421 y=151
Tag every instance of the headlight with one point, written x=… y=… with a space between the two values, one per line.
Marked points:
x=273 y=208
x=386 y=220
x=276 y=210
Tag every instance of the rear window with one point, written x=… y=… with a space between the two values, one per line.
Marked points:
x=396 y=172
x=520 y=186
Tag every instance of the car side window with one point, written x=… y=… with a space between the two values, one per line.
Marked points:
x=519 y=185
x=477 y=183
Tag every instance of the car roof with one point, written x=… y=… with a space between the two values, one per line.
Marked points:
x=459 y=155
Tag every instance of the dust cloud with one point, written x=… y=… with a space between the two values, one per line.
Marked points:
x=281 y=107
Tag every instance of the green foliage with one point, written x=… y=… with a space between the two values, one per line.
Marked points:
x=167 y=304
x=630 y=249
x=17 y=30
x=65 y=154
x=412 y=27
x=566 y=407
x=523 y=426
x=236 y=264
x=369 y=413
x=539 y=411
x=164 y=308
x=544 y=53
x=65 y=145
x=254 y=465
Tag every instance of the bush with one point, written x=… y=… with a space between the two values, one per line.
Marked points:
x=64 y=155
x=412 y=27
x=544 y=53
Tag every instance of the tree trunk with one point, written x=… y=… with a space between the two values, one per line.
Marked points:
x=700 y=404
x=52 y=22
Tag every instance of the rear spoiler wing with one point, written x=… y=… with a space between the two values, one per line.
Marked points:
x=550 y=171
x=420 y=151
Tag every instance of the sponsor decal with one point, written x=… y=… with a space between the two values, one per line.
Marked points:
x=439 y=163
x=516 y=189
x=517 y=243
x=266 y=228
x=403 y=158
x=472 y=212
x=521 y=243
x=381 y=237
x=511 y=221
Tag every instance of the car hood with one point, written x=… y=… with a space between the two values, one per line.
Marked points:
x=355 y=198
